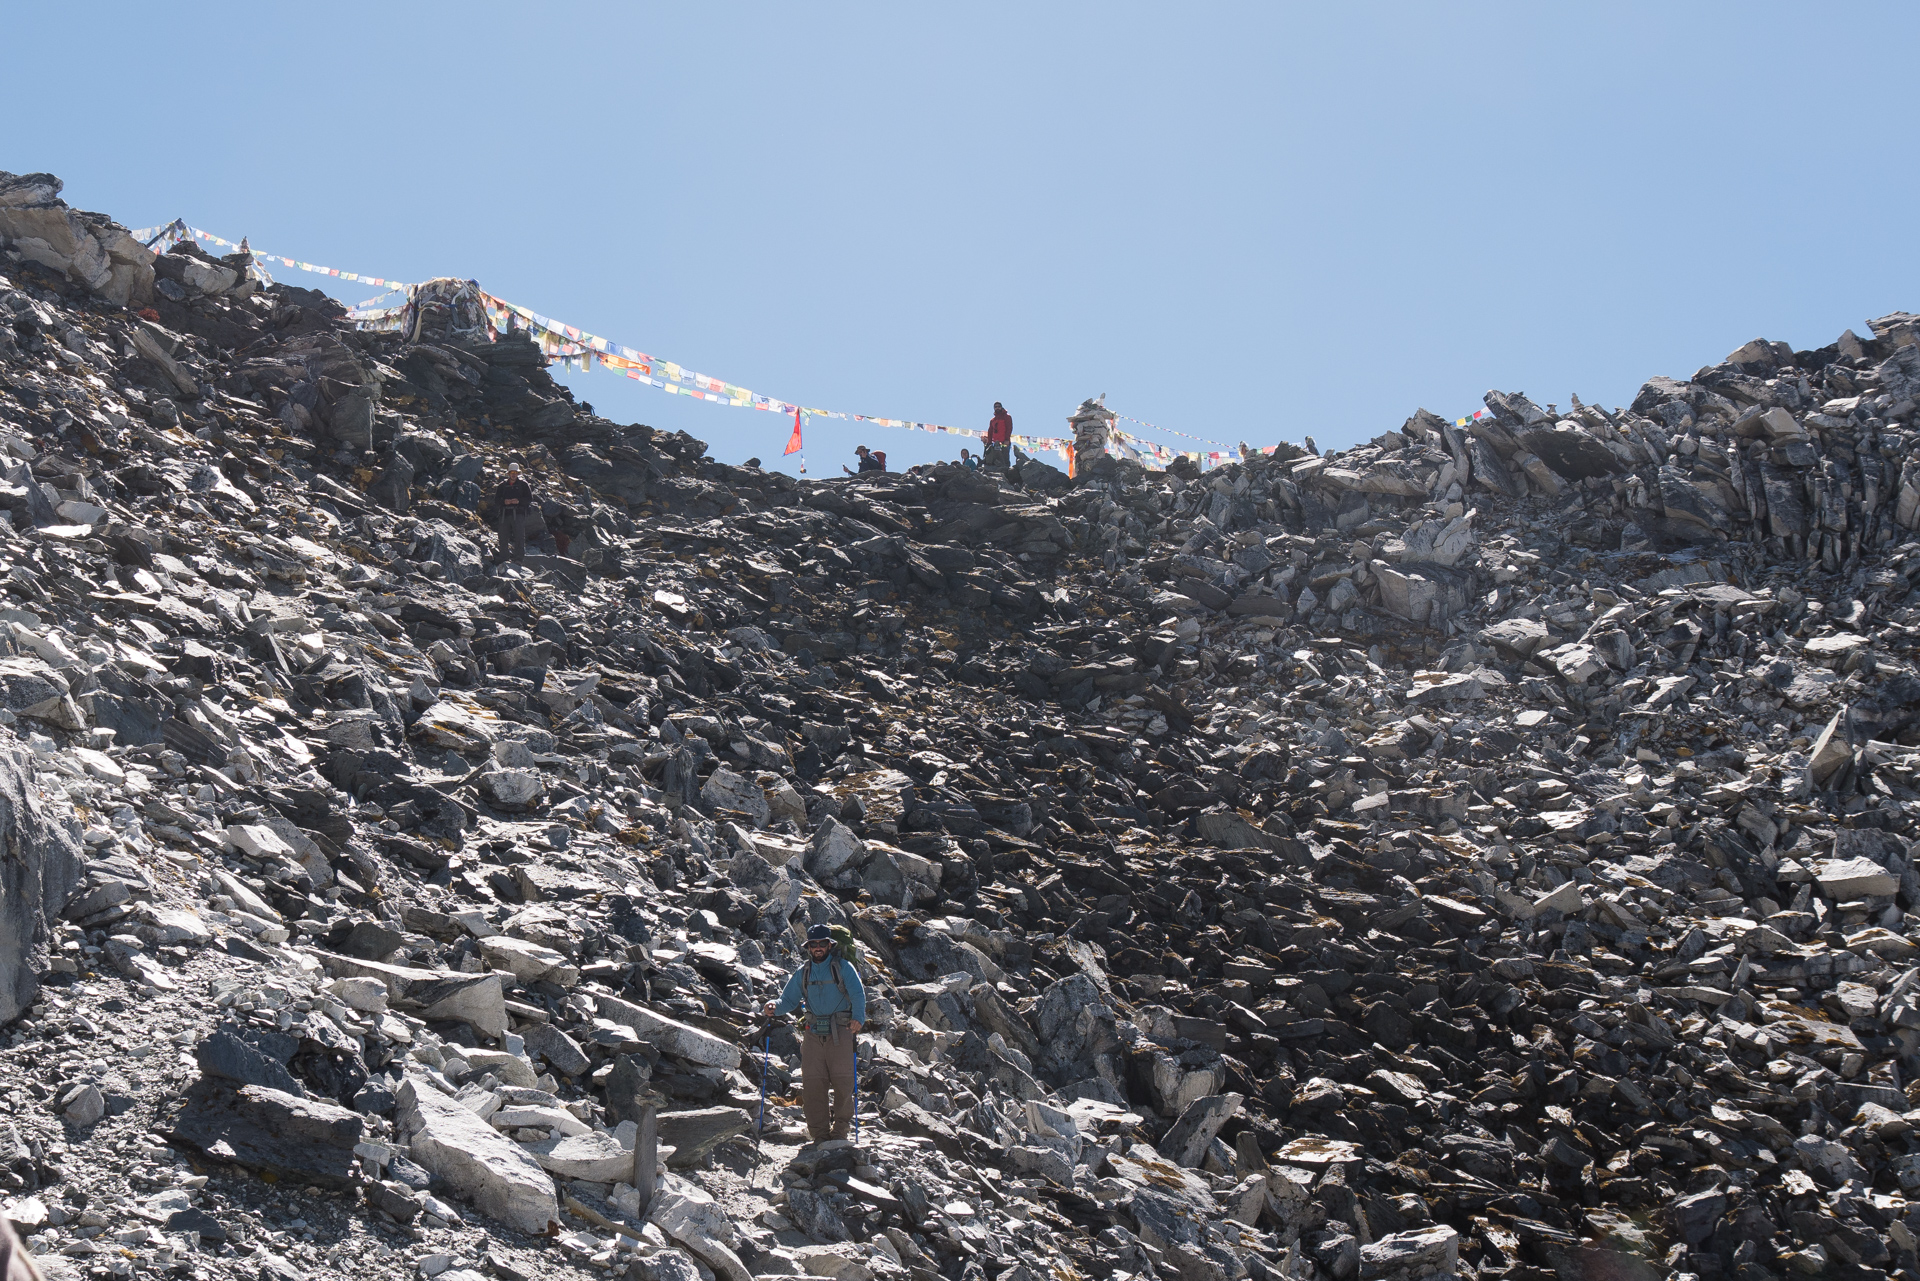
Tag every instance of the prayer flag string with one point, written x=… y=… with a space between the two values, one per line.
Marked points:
x=574 y=348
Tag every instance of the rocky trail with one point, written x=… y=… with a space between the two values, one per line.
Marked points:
x=1486 y=851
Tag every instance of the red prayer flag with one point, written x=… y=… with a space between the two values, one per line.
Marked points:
x=793 y=441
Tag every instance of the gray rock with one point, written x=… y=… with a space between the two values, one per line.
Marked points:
x=39 y=869
x=1571 y=452
x=666 y=1265
x=596 y=1157
x=1338 y=1253
x=270 y=1131
x=84 y=1106
x=1049 y=1163
x=1076 y=1026
x=513 y=790
x=1424 y=1252
x=224 y=1054
x=1223 y=827
x=672 y=1036
x=395 y=1199
x=1519 y=637
x=561 y=1051
x=813 y=1213
x=499 y=1177
x=726 y=790
x=198 y=1223
x=476 y=1000
x=372 y=942
x=834 y=849
x=1694 y=1217
x=1852 y=878
x=1187 y=1142
x=694 y=1134
x=690 y=1217
x=629 y=1087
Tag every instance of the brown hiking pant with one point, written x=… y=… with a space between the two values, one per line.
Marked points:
x=827 y=1060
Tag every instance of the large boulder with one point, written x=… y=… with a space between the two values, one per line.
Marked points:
x=39 y=868
x=1223 y=827
x=835 y=848
x=596 y=1157
x=694 y=1134
x=1077 y=1028
x=1187 y=1142
x=692 y=1218
x=438 y=995
x=238 y=1058
x=501 y=1178
x=1407 y=1256
x=726 y=790
x=673 y=1037
x=89 y=248
x=271 y=1131
x=1571 y=451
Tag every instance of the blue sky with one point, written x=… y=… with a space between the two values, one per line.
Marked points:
x=1243 y=222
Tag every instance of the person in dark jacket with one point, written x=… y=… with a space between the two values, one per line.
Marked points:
x=828 y=989
x=514 y=498
x=999 y=437
x=869 y=461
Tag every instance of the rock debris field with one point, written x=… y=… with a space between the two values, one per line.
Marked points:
x=1483 y=852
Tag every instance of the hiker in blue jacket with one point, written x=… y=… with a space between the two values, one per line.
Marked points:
x=834 y=1001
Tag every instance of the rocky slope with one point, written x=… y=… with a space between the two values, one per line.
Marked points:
x=1482 y=851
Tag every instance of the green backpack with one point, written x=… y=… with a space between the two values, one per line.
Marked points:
x=845 y=946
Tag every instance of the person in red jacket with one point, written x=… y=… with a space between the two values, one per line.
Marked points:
x=999 y=437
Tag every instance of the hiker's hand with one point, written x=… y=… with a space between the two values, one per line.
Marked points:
x=768 y=1010
x=853 y=1025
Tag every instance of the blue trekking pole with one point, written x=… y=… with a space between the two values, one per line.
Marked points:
x=856 y=1088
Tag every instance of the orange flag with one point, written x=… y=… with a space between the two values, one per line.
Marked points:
x=793 y=441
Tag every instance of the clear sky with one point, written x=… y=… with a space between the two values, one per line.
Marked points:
x=1244 y=222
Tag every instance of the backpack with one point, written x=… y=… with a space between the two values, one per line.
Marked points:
x=845 y=946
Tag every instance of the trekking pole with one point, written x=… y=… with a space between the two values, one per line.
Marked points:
x=766 y=1052
x=856 y=1088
